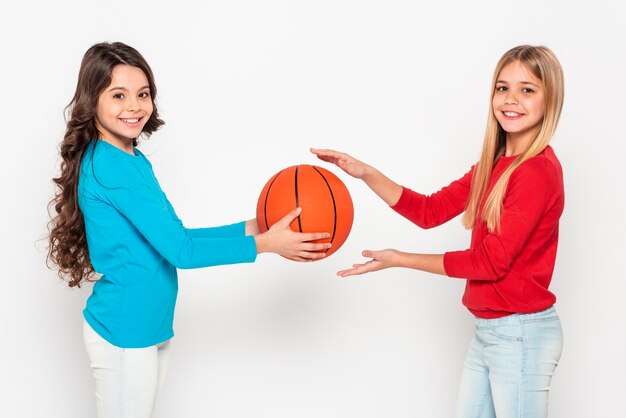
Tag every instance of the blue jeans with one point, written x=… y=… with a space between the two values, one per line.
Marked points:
x=509 y=366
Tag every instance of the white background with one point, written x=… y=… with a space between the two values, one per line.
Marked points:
x=246 y=87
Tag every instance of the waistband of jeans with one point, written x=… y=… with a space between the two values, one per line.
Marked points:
x=517 y=318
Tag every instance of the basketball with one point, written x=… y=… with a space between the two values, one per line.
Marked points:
x=325 y=201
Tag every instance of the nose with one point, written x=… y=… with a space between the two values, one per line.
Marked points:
x=511 y=98
x=132 y=104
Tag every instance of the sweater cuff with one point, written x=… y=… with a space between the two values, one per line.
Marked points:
x=403 y=202
x=252 y=250
x=240 y=227
x=452 y=262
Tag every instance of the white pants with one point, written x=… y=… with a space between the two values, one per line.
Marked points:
x=128 y=380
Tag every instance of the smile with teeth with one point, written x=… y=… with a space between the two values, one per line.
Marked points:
x=512 y=114
x=130 y=120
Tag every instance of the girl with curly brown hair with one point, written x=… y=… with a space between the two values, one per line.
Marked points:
x=113 y=219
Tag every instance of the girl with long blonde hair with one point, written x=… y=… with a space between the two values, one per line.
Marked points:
x=512 y=200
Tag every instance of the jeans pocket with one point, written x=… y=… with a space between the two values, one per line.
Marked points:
x=508 y=332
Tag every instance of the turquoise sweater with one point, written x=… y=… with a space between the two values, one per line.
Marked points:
x=136 y=242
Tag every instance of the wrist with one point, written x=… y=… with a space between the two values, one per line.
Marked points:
x=261 y=243
x=369 y=173
x=252 y=228
x=401 y=259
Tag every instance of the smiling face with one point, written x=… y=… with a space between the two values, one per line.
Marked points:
x=518 y=105
x=124 y=107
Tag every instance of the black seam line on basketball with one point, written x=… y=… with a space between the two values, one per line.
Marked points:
x=295 y=182
x=332 y=196
x=267 y=197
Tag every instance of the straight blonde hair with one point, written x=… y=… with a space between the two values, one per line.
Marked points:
x=544 y=65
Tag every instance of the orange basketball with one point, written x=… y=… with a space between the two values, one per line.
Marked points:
x=325 y=201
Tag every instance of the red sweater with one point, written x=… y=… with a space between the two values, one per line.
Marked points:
x=507 y=272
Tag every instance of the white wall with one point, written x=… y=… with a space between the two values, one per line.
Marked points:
x=246 y=87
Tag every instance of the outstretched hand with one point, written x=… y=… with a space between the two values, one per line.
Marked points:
x=350 y=165
x=298 y=246
x=379 y=260
x=385 y=188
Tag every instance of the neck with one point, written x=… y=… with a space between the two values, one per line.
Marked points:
x=126 y=146
x=517 y=143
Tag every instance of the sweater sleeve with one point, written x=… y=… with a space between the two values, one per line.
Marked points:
x=438 y=208
x=138 y=197
x=527 y=199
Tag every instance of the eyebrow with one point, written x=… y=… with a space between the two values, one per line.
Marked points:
x=522 y=82
x=147 y=86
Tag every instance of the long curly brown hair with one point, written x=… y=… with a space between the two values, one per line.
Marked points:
x=67 y=238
